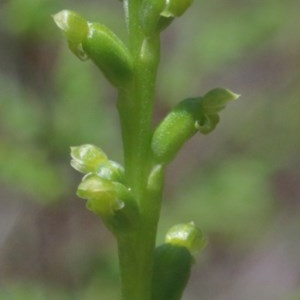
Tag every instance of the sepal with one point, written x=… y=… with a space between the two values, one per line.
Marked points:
x=87 y=158
x=73 y=25
x=216 y=100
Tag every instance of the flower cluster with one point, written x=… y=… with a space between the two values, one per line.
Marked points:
x=103 y=186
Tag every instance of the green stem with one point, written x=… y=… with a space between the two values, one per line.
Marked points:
x=135 y=107
x=136 y=249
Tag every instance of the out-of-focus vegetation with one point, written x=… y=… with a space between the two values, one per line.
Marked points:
x=239 y=184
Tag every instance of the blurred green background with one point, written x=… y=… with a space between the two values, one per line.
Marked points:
x=240 y=184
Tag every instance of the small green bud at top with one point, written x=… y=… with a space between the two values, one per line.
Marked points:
x=176 y=8
x=73 y=25
x=216 y=100
x=87 y=158
x=186 y=235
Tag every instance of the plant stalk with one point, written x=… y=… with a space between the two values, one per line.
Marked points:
x=135 y=108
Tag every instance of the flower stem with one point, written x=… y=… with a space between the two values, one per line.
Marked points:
x=135 y=108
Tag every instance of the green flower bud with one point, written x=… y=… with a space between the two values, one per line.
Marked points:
x=87 y=158
x=75 y=28
x=176 y=8
x=173 y=261
x=73 y=25
x=109 y=53
x=171 y=271
x=185 y=119
x=101 y=195
x=186 y=235
x=112 y=201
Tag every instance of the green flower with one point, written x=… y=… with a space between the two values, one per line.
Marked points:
x=186 y=235
x=101 y=195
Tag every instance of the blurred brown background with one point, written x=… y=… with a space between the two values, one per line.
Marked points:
x=240 y=184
